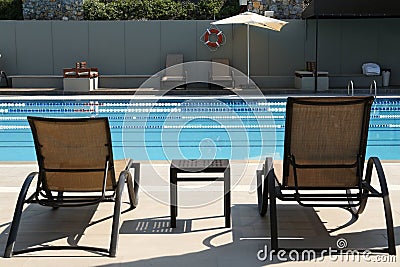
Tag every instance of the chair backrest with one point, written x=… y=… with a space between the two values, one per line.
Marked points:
x=327 y=138
x=72 y=153
x=221 y=69
x=172 y=60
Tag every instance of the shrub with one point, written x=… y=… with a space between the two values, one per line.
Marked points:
x=208 y=9
x=139 y=9
x=229 y=8
x=11 y=9
x=158 y=9
x=94 y=10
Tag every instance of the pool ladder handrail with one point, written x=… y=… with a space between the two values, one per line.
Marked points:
x=373 y=84
x=350 y=85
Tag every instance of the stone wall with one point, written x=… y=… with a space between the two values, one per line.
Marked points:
x=283 y=9
x=287 y=9
x=52 y=9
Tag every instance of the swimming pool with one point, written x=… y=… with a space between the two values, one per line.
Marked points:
x=166 y=128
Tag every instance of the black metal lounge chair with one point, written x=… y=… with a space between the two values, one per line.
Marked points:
x=323 y=161
x=76 y=168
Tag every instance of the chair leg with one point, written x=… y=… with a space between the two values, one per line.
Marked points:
x=173 y=191
x=131 y=192
x=273 y=213
x=59 y=198
x=262 y=185
x=386 y=204
x=116 y=218
x=364 y=198
x=354 y=210
x=17 y=216
x=227 y=197
x=133 y=186
x=136 y=182
x=259 y=192
x=389 y=225
x=262 y=193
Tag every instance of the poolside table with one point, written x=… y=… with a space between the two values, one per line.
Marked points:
x=199 y=166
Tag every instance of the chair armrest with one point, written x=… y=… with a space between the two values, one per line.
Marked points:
x=374 y=161
x=133 y=184
x=268 y=166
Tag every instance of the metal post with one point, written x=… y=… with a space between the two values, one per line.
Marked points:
x=248 y=54
x=350 y=85
x=373 y=85
x=316 y=46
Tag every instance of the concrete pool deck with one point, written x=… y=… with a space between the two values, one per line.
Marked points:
x=200 y=238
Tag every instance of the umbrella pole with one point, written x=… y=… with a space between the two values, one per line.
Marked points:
x=248 y=55
x=316 y=47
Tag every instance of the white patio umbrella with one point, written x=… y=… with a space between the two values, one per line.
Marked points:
x=250 y=18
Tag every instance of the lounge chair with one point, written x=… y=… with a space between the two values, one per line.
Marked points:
x=323 y=161
x=76 y=169
x=221 y=72
x=3 y=75
x=174 y=72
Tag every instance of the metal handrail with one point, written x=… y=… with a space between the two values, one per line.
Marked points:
x=350 y=84
x=373 y=84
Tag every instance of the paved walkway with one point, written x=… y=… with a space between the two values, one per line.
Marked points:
x=200 y=238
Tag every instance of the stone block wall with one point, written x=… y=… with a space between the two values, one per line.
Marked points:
x=283 y=9
x=287 y=9
x=52 y=9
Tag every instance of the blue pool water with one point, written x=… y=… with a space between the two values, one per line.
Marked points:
x=185 y=128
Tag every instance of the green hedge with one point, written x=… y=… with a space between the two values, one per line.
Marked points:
x=158 y=9
x=10 y=9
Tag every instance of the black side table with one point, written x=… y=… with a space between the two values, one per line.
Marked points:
x=200 y=166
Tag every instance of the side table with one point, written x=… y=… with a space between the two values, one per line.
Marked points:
x=200 y=166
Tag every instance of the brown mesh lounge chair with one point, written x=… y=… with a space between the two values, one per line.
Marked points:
x=174 y=74
x=323 y=161
x=221 y=72
x=76 y=169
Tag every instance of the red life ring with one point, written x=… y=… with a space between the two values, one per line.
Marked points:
x=218 y=42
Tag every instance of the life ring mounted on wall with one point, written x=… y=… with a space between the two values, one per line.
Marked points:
x=213 y=38
x=218 y=42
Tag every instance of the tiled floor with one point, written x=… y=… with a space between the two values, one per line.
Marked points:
x=200 y=238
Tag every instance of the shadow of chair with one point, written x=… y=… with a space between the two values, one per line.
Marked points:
x=221 y=73
x=238 y=246
x=323 y=161
x=174 y=74
x=76 y=169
